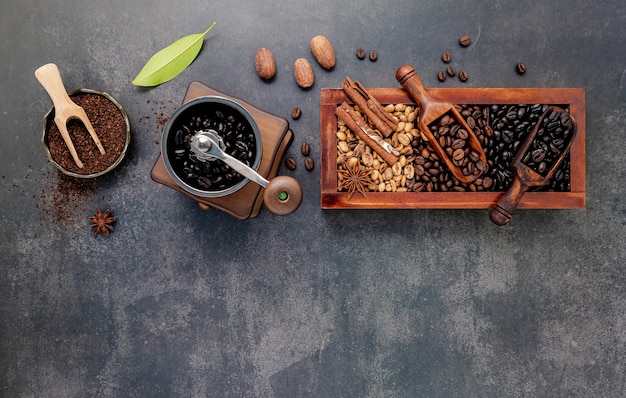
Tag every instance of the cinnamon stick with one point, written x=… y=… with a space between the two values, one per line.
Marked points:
x=375 y=112
x=360 y=127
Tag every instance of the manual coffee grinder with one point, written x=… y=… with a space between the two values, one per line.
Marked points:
x=282 y=195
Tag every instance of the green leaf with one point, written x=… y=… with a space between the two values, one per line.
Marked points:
x=170 y=61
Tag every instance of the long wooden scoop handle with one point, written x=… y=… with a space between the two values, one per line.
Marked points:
x=410 y=80
x=502 y=212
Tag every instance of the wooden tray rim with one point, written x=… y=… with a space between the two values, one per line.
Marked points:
x=331 y=199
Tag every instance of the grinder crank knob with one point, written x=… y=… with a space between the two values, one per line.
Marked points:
x=283 y=195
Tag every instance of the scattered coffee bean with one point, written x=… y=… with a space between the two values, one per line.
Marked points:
x=373 y=55
x=295 y=113
x=520 y=68
x=309 y=164
x=290 y=163
x=451 y=71
x=305 y=149
x=463 y=76
x=441 y=76
x=360 y=53
x=465 y=40
x=446 y=57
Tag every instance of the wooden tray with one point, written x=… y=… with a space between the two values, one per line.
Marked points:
x=575 y=198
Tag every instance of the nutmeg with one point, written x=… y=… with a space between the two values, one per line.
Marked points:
x=323 y=51
x=264 y=63
x=303 y=72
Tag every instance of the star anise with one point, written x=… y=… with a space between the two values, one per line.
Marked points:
x=102 y=222
x=355 y=179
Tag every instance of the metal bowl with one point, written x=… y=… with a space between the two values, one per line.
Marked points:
x=239 y=135
x=48 y=120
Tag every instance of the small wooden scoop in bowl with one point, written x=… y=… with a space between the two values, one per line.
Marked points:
x=64 y=108
x=431 y=109
x=536 y=161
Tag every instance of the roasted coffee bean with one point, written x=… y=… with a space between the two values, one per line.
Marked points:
x=295 y=113
x=487 y=182
x=559 y=174
x=360 y=53
x=446 y=57
x=541 y=167
x=471 y=122
x=290 y=163
x=458 y=154
x=465 y=40
x=441 y=76
x=305 y=149
x=309 y=164
x=458 y=143
x=451 y=71
x=520 y=68
x=463 y=76
x=538 y=155
x=373 y=55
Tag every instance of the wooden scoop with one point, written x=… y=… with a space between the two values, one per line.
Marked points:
x=64 y=108
x=525 y=177
x=432 y=109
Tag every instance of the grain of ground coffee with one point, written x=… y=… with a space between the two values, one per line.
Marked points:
x=110 y=126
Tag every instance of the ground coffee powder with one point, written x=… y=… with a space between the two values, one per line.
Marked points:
x=110 y=126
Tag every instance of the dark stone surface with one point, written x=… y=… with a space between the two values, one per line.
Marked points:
x=407 y=303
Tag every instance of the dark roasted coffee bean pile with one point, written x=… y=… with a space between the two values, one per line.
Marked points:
x=501 y=129
x=551 y=140
x=510 y=125
x=211 y=175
